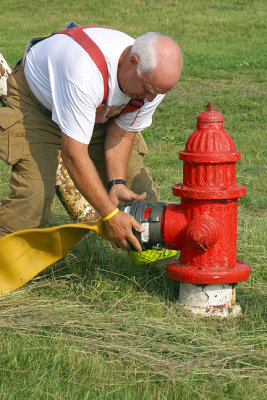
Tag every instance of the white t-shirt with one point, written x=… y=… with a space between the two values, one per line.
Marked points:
x=64 y=78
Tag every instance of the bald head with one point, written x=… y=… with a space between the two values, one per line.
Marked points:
x=151 y=66
x=159 y=59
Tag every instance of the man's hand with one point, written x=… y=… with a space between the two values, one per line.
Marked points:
x=121 y=194
x=119 y=229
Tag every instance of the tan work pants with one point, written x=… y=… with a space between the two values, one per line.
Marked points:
x=29 y=142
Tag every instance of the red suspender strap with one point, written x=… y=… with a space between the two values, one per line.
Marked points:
x=97 y=56
x=133 y=105
x=92 y=49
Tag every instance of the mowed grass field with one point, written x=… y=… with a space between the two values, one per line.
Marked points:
x=94 y=326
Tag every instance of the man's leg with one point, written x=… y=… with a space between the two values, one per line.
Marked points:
x=32 y=185
x=29 y=142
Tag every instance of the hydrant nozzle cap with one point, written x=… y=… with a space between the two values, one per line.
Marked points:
x=210 y=115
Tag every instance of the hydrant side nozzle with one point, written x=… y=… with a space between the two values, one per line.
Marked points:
x=173 y=227
x=202 y=232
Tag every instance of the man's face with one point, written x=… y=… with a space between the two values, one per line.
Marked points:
x=139 y=87
x=147 y=86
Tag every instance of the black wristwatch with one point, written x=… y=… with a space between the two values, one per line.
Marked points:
x=116 y=182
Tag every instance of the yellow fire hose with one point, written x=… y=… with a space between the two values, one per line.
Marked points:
x=24 y=254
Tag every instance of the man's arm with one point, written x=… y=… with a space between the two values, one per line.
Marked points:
x=118 y=147
x=86 y=179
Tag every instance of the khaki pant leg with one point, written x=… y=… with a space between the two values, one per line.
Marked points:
x=138 y=178
x=29 y=142
x=96 y=152
x=32 y=185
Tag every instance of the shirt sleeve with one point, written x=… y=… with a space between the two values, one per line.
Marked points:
x=140 y=119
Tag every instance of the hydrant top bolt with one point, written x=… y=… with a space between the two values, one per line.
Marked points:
x=210 y=107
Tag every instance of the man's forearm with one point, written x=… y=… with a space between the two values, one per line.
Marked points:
x=85 y=177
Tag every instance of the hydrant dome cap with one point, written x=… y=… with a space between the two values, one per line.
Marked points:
x=210 y=115
x=210 y=143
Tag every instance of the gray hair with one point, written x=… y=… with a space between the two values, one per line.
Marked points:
x=145 y=48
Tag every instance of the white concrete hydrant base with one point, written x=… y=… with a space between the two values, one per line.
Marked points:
x=209 y=300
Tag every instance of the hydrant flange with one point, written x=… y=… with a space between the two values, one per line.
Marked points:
x=207 y=275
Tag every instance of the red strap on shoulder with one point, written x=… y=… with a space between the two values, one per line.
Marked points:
x=92 y=49
x=133 y=105
x=97 y=56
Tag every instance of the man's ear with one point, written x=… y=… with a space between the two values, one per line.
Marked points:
x=134 y=59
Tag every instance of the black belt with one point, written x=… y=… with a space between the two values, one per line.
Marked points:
x=45 y=111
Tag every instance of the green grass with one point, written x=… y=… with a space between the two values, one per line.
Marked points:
x=94 y=326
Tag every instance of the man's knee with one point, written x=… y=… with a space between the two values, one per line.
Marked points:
x=138 y=177
x=28 y=205
x=139 y=181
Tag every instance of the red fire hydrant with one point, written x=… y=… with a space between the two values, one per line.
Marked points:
x=204 y=225
x=209 y=205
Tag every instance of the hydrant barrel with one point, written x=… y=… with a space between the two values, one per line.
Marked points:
x=209 y=201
